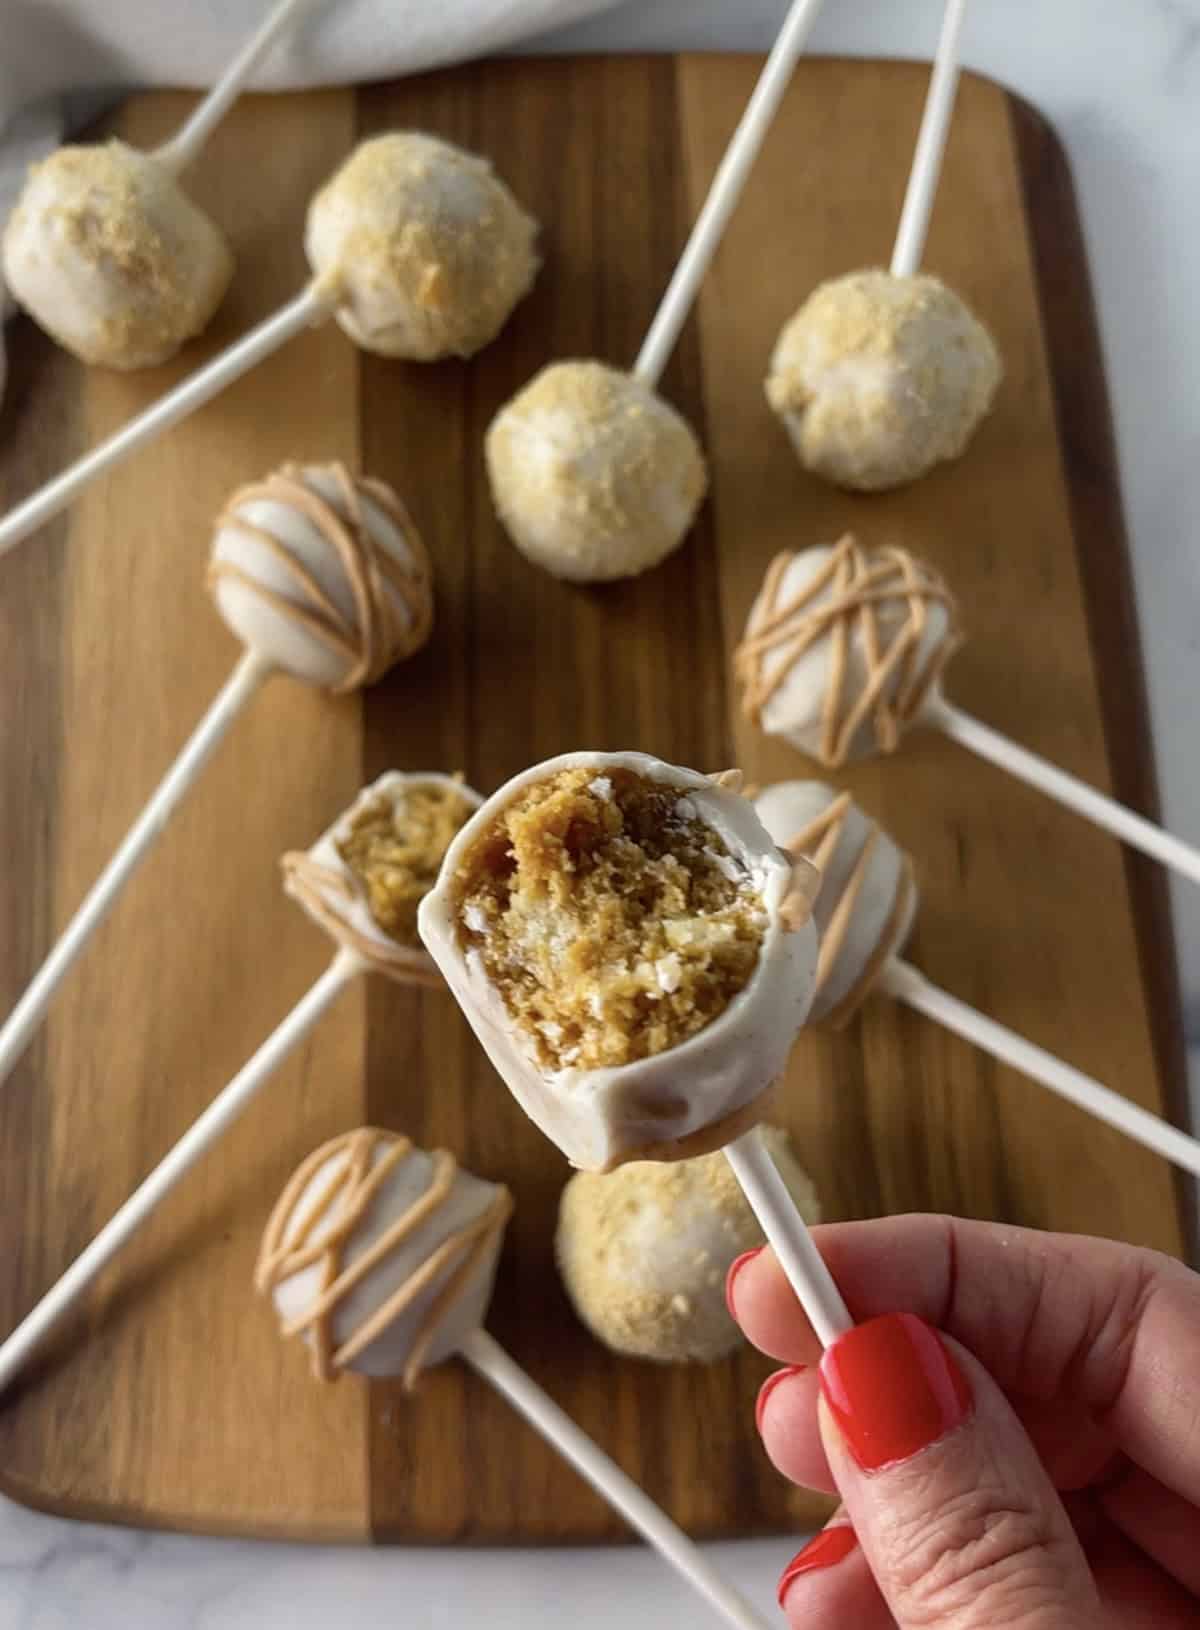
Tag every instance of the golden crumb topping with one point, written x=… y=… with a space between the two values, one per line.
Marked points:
x=395 y=848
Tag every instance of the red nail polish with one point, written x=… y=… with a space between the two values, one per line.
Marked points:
x=735 y=1267
x=831 y=1546
x=768 y=1387
x=894 y=1388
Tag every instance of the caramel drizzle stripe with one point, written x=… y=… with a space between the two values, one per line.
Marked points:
x=897 y=683
x=888 y=945
x=307 y=881
x=380 y=584
x=354 y=1187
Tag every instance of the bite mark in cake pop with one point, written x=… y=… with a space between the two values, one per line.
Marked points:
x=844 y=646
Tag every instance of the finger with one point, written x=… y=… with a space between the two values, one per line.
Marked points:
x=1160 y=1523
x=1136 y=1594
x=786 y=1415
x=958 y=1521
x=828 y=1584
x=1114 y=1328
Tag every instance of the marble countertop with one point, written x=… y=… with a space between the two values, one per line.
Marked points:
x=1120 y=82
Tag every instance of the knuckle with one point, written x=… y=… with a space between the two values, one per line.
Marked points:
x=975 y=1559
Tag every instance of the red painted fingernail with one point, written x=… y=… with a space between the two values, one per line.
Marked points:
x=893 y=1387
x=833 y=1545
x=768 y=1387
x=735 y=1267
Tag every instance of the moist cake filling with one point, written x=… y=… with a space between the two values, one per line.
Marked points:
x=394 y=846
x=613 y=920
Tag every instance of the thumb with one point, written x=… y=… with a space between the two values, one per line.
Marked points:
x=955 y=1514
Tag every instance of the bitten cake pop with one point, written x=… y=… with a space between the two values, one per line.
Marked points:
x=623 y=937
x=864 y=910
x=844 y=651
x=383 y=1258
x=322 y=575
x=644 y=1250
x=360 y=882
x=416 y=248
x=593 y=474
x=105 y=250
x=880 y=375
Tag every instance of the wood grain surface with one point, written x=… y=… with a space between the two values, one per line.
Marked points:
x=170 y=1401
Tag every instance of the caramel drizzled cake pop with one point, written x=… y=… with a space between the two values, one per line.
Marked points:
x=382 y=1257
x=322 y=575
x=364 y=878
x=843 y=647
x=644 y=1251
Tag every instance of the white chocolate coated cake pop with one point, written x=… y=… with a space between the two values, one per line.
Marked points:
x=867 y=897
x=644 y=1251
x=364 y=878
x=108 y=254
x=878 y=378
x=594 y=476
x=425 y=247
x=382 y=1256
x=323 y=573
x=844 y=646
x=625 y=941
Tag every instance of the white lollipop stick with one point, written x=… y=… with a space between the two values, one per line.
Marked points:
x=931 y=145
x=1094 y=806
x=203 y=1134
x=725 y=191
x=788 y=1235
x=903 y=982
x=176 y=154
x=307 y=309
x=22 y=1023
x=485 y=1355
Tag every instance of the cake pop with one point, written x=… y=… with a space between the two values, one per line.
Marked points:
x=322 y=575
x=383 y=1257
x=623 y=938
x=105 y=250
x=644 y=1250
x=880 y=375
x=416 y=248
x=593 y=474
x=844 y=651
x=864 y=911
x=359 y=882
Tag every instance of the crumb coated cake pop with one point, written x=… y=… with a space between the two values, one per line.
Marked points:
x=878 y=378
x=364 y=878
x=426 y=247
x=382 y=1256
x=843 y=648
x=644 y=1251
x=323 y=573
x=593 y=475
x=867 y=897
x=107 y=253
x=625 y=941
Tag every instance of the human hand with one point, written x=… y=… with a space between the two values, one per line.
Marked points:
x=1038 y=1469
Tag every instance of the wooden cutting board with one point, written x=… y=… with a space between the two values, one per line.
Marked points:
x=170 y=1401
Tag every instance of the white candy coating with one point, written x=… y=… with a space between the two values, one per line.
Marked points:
x=878 y=378
x=323 y=574
x=644 y=1251
x=425 y=248
x=867 y=899
x=678 y=1102
x=844 y=648
x=421 y=1333
x=109 y=255
x=594 y=476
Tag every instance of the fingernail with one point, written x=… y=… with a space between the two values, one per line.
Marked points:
x=735 y=1267
x=768 y=1387
x=893 y=1388
x=831 y=1546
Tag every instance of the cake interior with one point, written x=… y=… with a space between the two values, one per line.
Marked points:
x=613 y=920
x=394 y=846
